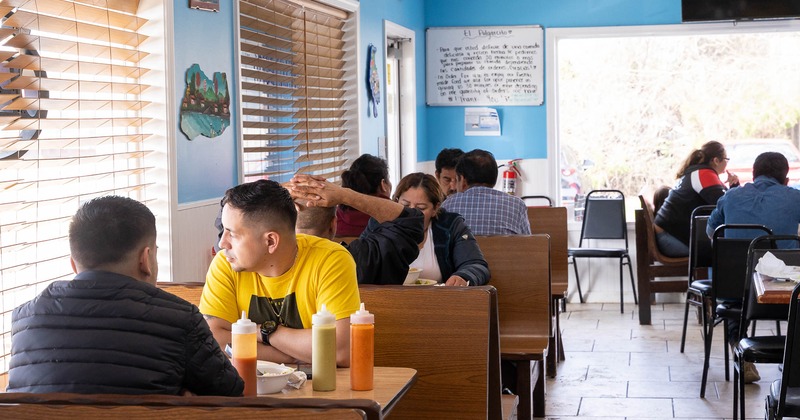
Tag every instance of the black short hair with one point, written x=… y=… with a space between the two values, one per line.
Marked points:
x=771 y=164
x=106 y=229
x=263 y=201
x=447 y=158
x=478 y=167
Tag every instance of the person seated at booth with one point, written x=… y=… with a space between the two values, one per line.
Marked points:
x=487 y=211
x=445 y=165
x=367 y=175
x=110 y=330
x=448 y=253
x=383 y=252
x=698 y=184
x=280 y=279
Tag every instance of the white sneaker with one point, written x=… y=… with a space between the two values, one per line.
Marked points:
x=750 y=373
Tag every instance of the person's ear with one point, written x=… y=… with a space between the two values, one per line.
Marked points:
x=386 y=186
x=272 y=239
x=145 y=260
x=74 y=265
x=332 y=228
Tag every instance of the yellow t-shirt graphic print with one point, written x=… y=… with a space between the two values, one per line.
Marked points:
x=323 y=272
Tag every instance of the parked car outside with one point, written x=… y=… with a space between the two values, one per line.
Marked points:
x=743 y=153
x=570 y=180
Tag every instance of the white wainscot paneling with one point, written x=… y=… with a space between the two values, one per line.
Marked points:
x=194 y=237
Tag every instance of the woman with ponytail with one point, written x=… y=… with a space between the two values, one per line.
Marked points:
x=698 y=184
x=368 y=175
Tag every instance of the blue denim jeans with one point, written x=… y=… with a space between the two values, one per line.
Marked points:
x=671 y=246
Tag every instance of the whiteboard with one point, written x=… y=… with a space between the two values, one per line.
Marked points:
x=484 y=65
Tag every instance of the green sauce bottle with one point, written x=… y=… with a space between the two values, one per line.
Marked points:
x=323 y=350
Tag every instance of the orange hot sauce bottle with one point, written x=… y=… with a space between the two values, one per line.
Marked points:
x=362 y=349
x=243 y=337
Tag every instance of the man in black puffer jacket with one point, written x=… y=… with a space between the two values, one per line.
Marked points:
x=110 y=330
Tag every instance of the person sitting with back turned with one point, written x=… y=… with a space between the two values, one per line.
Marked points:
x=445 y=173
x=277 y=277
x=766 y=201
x=110 y=330
x=368 y=175
x=487 y=211
x=385 y=250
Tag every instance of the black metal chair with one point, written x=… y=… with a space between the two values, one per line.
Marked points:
x=604 y=218
x=698 y=292
x=760 y=349
x=784 y=394
x=729 y=268
x=538 y=197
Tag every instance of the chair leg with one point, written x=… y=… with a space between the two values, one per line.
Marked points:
x=633 y=282
x=621 y=296
x=577 y=278
x=778 y=328
x=706 y=356
x=740 y=374
x=736 y=380
x=685 y=320
x=725 y=339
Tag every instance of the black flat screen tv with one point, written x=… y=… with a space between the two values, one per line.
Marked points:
x=713 y=10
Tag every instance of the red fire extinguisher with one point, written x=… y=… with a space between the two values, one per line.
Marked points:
x=510 y=176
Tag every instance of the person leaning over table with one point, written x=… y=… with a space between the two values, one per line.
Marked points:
x=448 y=252
x=698 y=184
x=277 y=277
x=383 y=253
x=110 y=330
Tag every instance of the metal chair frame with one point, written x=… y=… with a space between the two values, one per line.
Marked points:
x=604 y=218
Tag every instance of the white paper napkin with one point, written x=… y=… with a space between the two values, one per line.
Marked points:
x=770 y=265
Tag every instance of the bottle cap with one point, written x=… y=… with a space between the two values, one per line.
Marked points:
x=323 y=317
x=243 y=325
x=362 y=316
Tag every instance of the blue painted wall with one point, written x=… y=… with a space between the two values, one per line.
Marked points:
x=206 y=166
x=524 y=128
x=406 y=13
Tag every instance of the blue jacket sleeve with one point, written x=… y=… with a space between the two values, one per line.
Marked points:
x=384 y=251
x=716 y=219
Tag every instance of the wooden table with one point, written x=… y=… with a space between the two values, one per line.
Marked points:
x=391 y=383
x=770 y=290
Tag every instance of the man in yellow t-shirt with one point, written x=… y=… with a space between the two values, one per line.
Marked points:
x=280 y=279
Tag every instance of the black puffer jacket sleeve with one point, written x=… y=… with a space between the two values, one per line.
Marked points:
x=466 y=255
x=208 y=370
x=384 y=251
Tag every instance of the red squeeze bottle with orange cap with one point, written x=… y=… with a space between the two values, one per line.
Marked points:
x=362 y=349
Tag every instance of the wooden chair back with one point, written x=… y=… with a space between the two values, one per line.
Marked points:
x=188 y=291
x=553 y=221
x=520 y=270
x=445 y=334
x=652 y=264
x=89 y=406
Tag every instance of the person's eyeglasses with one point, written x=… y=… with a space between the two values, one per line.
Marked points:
x=726 y=159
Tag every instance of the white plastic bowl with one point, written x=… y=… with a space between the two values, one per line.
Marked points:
x=271 y=377
x=412 y=276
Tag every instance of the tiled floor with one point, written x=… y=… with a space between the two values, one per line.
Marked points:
x=617 y=369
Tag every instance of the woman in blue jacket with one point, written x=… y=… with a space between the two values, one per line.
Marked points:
x=448 y=252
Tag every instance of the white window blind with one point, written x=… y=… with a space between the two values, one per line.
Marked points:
x=71 y=129
x=294 y=79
